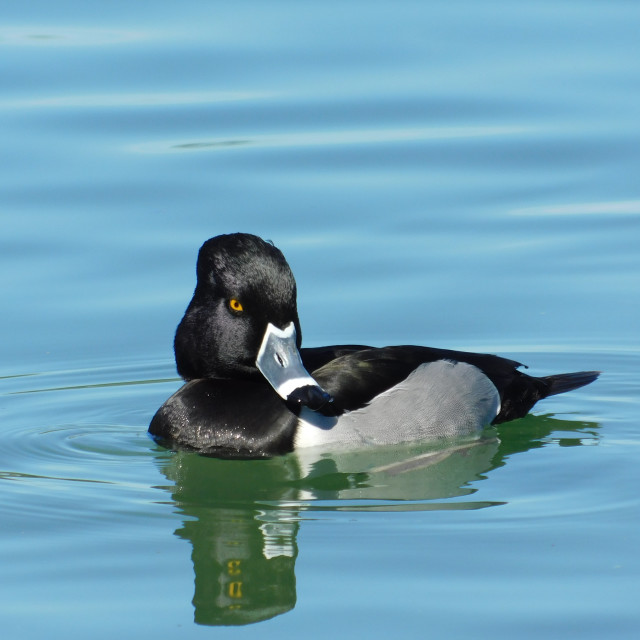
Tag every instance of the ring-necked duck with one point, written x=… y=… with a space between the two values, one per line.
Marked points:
x=249 y=394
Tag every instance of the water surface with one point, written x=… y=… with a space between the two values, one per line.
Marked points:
x=460 y=175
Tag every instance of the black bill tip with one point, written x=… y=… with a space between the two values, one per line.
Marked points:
x=310 y=396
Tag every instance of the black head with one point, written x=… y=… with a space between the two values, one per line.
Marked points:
x=243 y=283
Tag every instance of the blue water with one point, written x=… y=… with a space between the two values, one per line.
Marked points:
x=453 y=174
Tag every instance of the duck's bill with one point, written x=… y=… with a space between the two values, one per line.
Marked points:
x=279 y=362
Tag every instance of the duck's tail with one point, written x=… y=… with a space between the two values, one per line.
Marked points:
x=524 y=391
x=562 y=382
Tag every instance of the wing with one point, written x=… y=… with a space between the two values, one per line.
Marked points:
x=316 y=357
x=357 y=374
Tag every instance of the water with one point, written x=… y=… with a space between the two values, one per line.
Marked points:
x=453 y=174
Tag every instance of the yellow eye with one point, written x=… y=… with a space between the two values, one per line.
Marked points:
x=235 y=305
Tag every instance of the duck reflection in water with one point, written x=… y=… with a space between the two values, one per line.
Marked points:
x=242 y=517
x=243 y=533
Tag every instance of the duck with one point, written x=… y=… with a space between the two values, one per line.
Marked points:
x=251 y=391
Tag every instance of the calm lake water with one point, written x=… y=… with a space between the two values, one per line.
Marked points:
x=459 y=174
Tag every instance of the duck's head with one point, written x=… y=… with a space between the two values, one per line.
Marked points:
x=242 y=322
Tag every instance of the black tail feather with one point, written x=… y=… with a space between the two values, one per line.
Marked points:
x=562 y=382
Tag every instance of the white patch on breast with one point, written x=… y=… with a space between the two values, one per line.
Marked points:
x=438 y=399
x=314 y=429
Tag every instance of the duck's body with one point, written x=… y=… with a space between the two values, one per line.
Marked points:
x=248 y=393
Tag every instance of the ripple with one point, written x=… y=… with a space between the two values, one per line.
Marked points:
x=620 y=207
x=34 y=36
x=335 y=138
x=84 y=425
x=87 y=453
x=73 y=477
x=119 y=100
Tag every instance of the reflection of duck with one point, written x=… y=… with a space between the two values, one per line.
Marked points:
x=241 y=330
x=245 y=568
x=242 y=517
x=243 y=536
